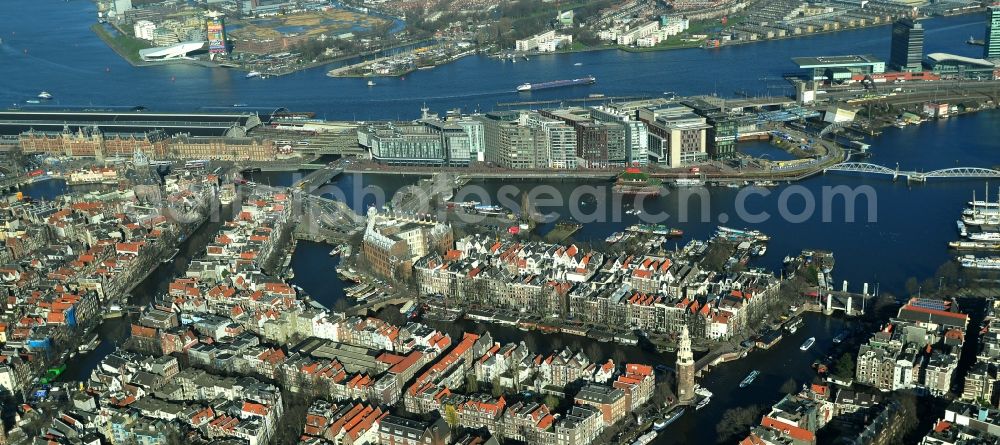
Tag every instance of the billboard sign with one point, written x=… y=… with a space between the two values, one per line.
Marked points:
x=216 y=33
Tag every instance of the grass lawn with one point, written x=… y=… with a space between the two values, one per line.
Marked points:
x=126 y=46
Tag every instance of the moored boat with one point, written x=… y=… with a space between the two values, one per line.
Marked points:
x=171 y=257
x=841 y=336
x=985 y=236
x=793 y=325
x=645 y=438
x=749 y=378
x=671 y=417
x=808 y=343
x=972 y=262
x=704 y=395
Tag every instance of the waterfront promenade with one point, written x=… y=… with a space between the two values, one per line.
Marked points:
x=710 y=173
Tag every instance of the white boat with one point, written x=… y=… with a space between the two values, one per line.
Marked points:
x=793 y=325
x=727 y=232
x=985 y=236
x=971 y=262
x=170 y=259
x=90 y=345
x=974 y=245
x=808 y=344
x=672 y=417
x=336 y=251
x=749 y=378
x=702 y=403
x=488 y=209
x=33 y=101
x=45 y=95
x=645 y=438
x=705 y=396
x=702 y=391
x=406 y=307
x=985 y=211
x=253 y=74
x=371 y=83
x=840 y=337
x=577 y=64
x=686 y=182
x=961 y=229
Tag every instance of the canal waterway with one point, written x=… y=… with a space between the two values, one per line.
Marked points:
x=47 y=45
x=114 y=331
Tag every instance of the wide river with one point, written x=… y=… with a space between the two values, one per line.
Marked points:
x=47 y=45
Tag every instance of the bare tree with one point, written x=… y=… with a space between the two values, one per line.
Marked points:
x=736 y=422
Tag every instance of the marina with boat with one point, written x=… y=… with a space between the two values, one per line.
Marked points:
x=979 y=231
x=654 y=229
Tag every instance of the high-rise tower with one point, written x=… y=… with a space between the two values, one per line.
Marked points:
x=991 y=48
x=907 y=52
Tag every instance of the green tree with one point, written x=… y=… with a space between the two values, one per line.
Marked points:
x=471 y=384
x=844 y=367
x=451 y=416
x=552 y=402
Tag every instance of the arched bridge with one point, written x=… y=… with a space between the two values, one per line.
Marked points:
x=956 y=172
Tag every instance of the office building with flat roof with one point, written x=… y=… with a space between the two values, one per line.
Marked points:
x=838 y=68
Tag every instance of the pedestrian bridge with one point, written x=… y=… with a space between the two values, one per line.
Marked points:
x=956 y=172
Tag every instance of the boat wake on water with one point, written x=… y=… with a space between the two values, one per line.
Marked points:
x=396 y=99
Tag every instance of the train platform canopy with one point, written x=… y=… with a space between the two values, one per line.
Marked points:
x=199 y=124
